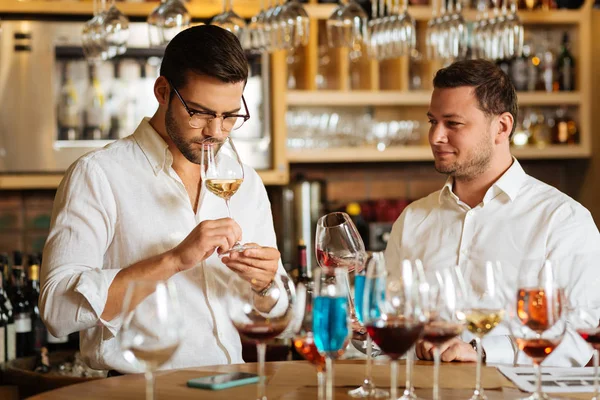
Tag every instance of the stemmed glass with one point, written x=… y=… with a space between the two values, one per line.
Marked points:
x=331 y=323
x=230 y=21
x=116 y=26
x=347 y=26
x=93 y=36
x=151 y=328
x=585 y=321
x=399 y=322
x=258 y=317
x=485 y=290
x=166 y=21
x=222 y=172
x=538 y=325
x=365 y=304
x=513 y=32
x=445 y=319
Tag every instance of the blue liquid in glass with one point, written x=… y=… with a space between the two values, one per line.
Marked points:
x=330 y=324
x=359 y=290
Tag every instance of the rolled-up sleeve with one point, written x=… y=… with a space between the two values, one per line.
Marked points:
x=74 y=282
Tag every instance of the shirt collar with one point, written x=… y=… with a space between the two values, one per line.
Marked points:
x=154 y=147
x=510 y=183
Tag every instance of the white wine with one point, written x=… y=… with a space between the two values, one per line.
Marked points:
x=224 y=188
x=154 y=358
x=480 y=321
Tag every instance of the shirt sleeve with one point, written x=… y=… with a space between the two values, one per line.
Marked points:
x=393 y=251
x=74 y=284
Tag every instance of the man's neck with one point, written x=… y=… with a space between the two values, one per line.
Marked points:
x=472 y=191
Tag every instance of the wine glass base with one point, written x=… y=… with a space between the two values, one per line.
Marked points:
x=411 y=396
x=366 y=392
x=479 y=396
x=539 y=396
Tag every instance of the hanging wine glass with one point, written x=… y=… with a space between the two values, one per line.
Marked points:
x=116 y=26
x=230 y=21
x=166 y=21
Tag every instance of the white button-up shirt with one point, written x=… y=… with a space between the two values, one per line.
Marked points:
x=123 y=204
x=520 y=218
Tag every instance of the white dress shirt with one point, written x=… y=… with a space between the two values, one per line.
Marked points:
x=520 y=218
x=122 y=204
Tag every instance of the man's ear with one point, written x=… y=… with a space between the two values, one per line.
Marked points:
x=162 y=90
x=505 y=126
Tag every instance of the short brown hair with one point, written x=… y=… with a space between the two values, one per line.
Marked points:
x=205 y=50
x=494 y=90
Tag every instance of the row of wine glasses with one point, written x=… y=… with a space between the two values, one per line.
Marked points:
x=447 y=34
x=500 y=35
x=283 y=25
x=105 y=35
x=392 y=30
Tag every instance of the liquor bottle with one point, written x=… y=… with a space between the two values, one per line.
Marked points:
x=38 y=328
x=56 y=343
x=547 y=77
x=565 y=66
x=565 y=129
x=10 y=341
x=69 y=115
x=304 y=275
x=3 y=319
x=519 y=69
x=95 y=124
x=22 y=313
x=533 y=68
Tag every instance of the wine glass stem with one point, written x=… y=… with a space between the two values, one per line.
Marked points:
x=394 y=379
x=409 y=364
x=329 y=371
x=478 y=388
x=320 y=385
x=538 y=379
x=149 y=385
x=436 y=373
x=369 y=371
x=261 y=349
x=227 y=202
x=596 y=357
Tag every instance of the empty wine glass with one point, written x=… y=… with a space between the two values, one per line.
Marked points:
x=116 y=26
x=445 y=316
x=258 y=317
x=537 y=324
x=222 y=172
x=230 y=21
x=484 y=286
x=151 y=330
x=374 y=269
x=408 y=34
x=513 y=32
x=93 y=36
x=399 y=321
x=166 y=21
x=432 y=33
x=296 y=23
x=330 y=317
x=347 y=26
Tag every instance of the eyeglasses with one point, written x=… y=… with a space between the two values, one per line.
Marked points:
x=201 y=119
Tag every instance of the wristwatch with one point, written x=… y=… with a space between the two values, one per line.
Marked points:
x=473 y=344
x=264 y=292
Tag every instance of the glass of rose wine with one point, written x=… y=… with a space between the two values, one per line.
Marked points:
x=484 y=288
x=537 y=323
x=585 y=321
x=151 y=328
x=331 y=322
x=259 y=317
x=222 y=172
x=399 y=320
x=445 y=315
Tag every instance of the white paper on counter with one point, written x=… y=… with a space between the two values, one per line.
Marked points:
x=554 y=380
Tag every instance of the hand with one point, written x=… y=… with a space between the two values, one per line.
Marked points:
x=207 y=237
x=257 y=266
x=453 y=350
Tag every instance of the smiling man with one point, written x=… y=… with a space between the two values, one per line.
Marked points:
x=136 y=210
x=489 y=208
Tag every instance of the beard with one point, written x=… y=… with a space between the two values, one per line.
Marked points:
x=477 y=162
x=185 y=147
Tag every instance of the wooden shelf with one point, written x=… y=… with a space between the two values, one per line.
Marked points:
x=417 y=153
x=51 y=181
x=246 y=9
x=410 y=98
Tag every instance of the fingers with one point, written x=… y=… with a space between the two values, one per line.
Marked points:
x=265 y=258
x=424 y=350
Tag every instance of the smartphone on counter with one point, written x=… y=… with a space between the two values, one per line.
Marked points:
x=223 y=381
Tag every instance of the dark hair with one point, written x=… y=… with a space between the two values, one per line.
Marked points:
x=205 y=50
x=494 y=90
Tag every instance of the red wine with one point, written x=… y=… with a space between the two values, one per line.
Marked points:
x=439 y=332
x=260 y=332
x=395 y=337
x=326 y=259
x=537 y=349
x=592 y=336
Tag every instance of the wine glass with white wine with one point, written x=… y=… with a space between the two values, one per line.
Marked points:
x=222 y=172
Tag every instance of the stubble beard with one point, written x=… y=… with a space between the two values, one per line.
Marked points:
x=477 y=163
x=175 y=134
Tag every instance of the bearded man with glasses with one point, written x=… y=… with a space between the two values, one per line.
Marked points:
x=135 y=210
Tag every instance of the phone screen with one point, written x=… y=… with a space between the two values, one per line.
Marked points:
x=224 y=378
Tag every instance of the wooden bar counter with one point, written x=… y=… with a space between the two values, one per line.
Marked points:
x=294 y=380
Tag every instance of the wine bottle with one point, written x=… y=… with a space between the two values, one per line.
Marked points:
x=3 y=323
x=22 y=313
x=69 y=115
x=95 y=123
x=304 y=275
x=565 y=66
x=10 y=340
x=38 y=327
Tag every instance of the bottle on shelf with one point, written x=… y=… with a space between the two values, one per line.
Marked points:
x=519 y=73
x=547 y=77
x=69 y=114
x=38 y=327
x=54 y=343
x=3 y=320
x=565 y=129
x=565 y=66
x=304 y=275
x=22 y=313
x=10 y=339
x=95 y=120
